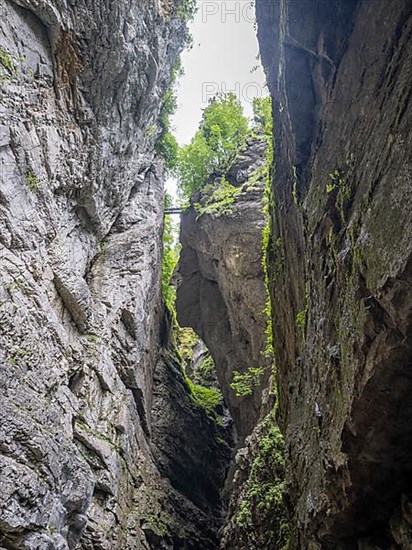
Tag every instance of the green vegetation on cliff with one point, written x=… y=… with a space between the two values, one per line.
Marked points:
x=218 y=200
x=264 y=121
x=222 y=131
x=208 y=398
x=262 y=514
x=201 y=381
x=166 y=145
x=170 y=259
x=244 y=383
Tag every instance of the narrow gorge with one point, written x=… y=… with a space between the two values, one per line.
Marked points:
x=250 y=387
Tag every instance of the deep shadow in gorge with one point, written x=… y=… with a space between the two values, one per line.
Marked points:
x=103 y=444
x=341 y=224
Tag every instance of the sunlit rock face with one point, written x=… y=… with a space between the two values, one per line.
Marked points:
x=340 y=278
x=81 y=211
x=221 y=290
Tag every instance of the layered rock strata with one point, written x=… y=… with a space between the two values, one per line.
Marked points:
x=81 y=315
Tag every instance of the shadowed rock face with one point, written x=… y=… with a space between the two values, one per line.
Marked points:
x=192 y=450
x=221 y=291
x=343 y=234
x=101 y=446
x=81 y=208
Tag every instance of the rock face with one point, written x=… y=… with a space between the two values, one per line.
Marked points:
x=101 y=445
x=192 y=450
x=221 y=291
x=81 y=209
x=340 y=264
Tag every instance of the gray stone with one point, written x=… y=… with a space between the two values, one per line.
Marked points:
x=221 y=289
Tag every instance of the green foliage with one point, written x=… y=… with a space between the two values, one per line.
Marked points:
x=93 y=338
x=205 y=395
x=301 y=317
x=243 y=384
x=263 y=119
x=166 y=145
x=205 y=371
x=214 y=146
x=7 y=60
x=170 y=259
x=186 y=339
x=187 y=9
x=269 y=350
x=32 y=181
x=301 y=321
x=262 y=518
x=262 y=114
x=196 y=164
x=168 y=148
x=10 y=67
x=218 y=200
x=208 y=398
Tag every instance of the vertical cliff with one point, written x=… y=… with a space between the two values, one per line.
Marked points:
x=102 y=442
x=221 y=288
x=81 y=315
x=340 y=264
x=222 y=295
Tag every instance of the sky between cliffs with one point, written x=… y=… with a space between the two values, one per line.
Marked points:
x=223 y=59
x=224 y=52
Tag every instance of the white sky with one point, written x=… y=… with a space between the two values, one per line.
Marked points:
x=224 y=53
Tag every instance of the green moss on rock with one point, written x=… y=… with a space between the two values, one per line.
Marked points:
x=262 y=518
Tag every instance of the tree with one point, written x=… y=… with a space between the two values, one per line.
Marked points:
x=170 y=257
x=214 y=146
x=262 y=114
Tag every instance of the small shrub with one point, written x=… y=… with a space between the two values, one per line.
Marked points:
x=7 y=60
x=32 y=181
x=208 y=398
x=301 y=319
x=9 y=70
x=244 y=384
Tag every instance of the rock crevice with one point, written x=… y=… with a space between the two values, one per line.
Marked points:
x=341 y=218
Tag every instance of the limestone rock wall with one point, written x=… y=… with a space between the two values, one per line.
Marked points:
x=81 y=211
x=221 y=291
x=340 y=264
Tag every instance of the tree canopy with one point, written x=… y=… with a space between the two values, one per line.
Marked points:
x=222 y=131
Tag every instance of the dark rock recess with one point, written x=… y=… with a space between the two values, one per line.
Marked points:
x=340 y=77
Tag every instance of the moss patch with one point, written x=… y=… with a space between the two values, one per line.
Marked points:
x=218 y=200
x=261 y=518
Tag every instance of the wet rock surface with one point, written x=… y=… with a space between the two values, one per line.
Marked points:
x=81 y=213
x=221 y=291
x=340 y=265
